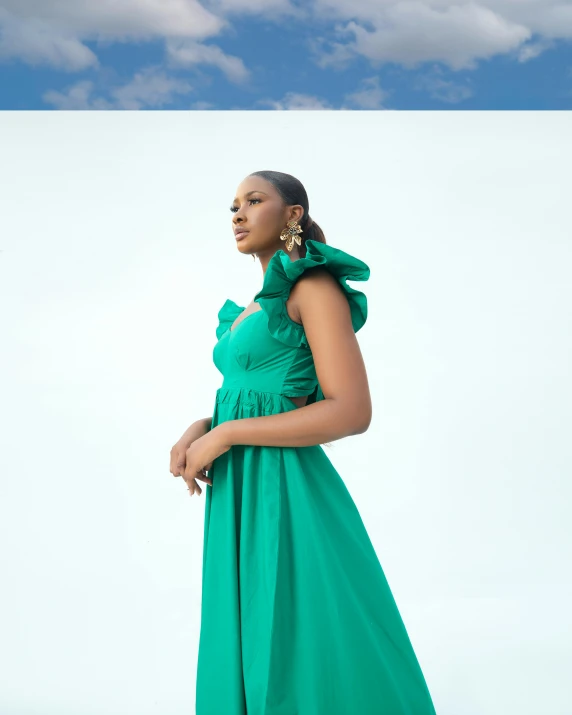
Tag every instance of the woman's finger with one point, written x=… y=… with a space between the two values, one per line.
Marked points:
x=179 y=468
x=203 y=477
x=177 y=463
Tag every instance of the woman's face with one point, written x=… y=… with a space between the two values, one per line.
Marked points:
x=260 y=210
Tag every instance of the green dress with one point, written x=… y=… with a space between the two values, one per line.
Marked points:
x=297 y=617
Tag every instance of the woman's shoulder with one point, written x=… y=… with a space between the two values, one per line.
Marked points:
x=282 y=274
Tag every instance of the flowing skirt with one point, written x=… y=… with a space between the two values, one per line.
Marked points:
x=297 y=617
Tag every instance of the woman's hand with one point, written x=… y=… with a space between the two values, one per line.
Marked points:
x=200 y=457
x=179 y=450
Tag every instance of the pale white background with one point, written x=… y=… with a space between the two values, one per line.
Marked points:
x=116 y=255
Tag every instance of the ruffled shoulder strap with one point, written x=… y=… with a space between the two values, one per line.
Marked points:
x=282 y=273
x=226 y=316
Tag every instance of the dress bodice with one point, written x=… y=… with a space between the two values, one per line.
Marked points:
x=267 y=351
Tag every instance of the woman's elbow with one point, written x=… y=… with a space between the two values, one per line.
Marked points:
x=358 y=418
x=364 y=423
x=365 y=414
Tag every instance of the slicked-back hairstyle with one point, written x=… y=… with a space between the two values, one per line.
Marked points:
x=293 y=193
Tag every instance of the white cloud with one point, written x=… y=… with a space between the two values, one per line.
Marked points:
x=150 y=87
x=445 y=90
x=413 y=33
x=271 y=9
x=186 y=53
x=338 y=55
x=532 y=50
x=78 y=96
x=455 y=32
x=369 y=96
x=53 y=32
x=295 y=100
x=202 y=105
x=37 y=42
x=121 y=19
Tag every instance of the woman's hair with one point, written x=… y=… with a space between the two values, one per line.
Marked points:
x=293 y=192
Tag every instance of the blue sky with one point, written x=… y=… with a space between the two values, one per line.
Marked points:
x=280 y=55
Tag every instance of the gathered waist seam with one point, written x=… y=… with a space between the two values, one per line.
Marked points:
x=250 y=389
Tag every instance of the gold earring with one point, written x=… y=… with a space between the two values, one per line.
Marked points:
x=290 y=234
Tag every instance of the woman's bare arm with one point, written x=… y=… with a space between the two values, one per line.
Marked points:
x=346 y=409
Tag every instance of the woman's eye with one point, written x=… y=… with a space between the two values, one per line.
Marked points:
x=233 y=208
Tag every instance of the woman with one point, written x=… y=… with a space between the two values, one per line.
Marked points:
x=297 y=617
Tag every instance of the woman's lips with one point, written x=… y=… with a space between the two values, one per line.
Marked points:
x=241 y=235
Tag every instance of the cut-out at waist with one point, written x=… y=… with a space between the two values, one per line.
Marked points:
x=299 y=401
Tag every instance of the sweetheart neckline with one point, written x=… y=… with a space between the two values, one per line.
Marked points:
x=242 y=308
